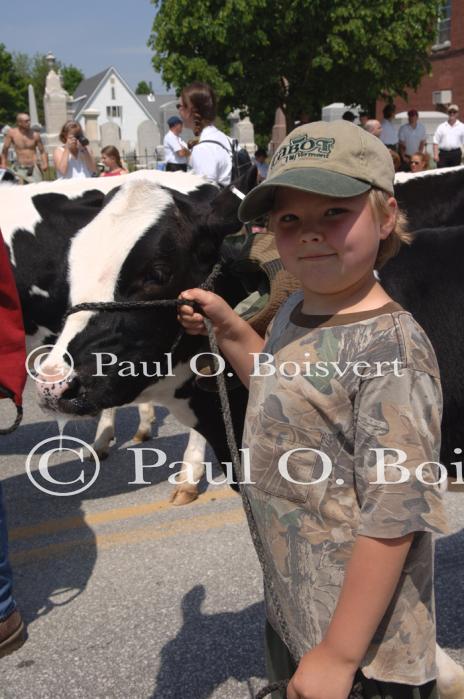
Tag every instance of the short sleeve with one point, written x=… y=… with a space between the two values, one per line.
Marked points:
x=397 y=420
x=437 y=136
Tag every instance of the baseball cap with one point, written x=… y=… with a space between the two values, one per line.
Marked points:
x=332 y=158
x=172 y=121
x=413 y=112
x=453 y=107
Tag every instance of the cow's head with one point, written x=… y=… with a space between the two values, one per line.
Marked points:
x=147 y=243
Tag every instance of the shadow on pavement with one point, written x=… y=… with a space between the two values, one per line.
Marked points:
x=210 y=649
x=52 y=547
x=449 y=590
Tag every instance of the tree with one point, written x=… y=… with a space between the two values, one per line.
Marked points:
x=72 y=76
x=298 y=55
x=143 y=88
x=12 y=88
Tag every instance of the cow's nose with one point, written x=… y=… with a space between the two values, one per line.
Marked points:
x=51 y=384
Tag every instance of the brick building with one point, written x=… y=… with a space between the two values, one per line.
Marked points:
x=446 y=83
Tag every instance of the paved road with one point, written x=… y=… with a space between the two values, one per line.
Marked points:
x=126 y=596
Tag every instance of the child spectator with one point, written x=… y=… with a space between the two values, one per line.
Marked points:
x=346 y=531
x=112 y=161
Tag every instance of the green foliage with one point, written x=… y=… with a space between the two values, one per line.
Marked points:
x=143 y=88
x=296 y=54
x=12 y=88
x=72 y=76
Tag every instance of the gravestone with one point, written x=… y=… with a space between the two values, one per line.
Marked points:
x=148 y=138
x=91 y=129
x=110 y=135
x=243 y=131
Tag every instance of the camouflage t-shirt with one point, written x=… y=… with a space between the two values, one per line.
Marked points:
x=352 y=388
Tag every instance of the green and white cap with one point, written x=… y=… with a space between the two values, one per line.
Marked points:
x=332 y=158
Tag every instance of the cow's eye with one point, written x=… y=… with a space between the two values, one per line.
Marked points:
x=158 y=275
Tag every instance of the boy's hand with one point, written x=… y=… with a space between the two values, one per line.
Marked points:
x=213 y=306
x=321 y=674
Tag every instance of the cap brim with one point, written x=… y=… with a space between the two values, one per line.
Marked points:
x=330 y=184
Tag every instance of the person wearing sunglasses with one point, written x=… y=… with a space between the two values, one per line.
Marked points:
x=449 y=139
x=212 y=156
x=419 y=162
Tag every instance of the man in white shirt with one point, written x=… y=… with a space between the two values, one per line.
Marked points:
x=412 y=137
x=389 y=135
x=176 y=151
x=449 y=139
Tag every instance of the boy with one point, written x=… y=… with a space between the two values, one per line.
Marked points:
x=347 y=536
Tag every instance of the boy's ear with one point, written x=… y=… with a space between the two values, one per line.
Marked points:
x=388 y=224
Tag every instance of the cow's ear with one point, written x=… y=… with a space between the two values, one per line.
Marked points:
x=222 y=218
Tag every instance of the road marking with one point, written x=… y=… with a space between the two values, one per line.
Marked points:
x=101 y=542
x=53 y=526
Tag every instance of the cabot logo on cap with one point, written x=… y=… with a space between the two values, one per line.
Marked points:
x=303 y=146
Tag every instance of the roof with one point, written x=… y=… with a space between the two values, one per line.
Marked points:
x=87 y=88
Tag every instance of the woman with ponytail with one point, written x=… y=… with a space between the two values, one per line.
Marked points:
x=212 y=156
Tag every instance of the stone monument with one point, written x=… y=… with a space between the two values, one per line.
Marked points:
x=243 y=131
x=56 y=101
x=279 y=130
x=35 y=123
x=91 y=130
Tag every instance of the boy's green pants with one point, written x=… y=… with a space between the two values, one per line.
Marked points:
x=280 y=666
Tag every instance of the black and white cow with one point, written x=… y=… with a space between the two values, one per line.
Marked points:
x=38 y=224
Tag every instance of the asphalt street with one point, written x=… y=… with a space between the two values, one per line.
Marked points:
x=127 y=596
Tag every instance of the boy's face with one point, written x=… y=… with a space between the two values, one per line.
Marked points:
x=329 y=244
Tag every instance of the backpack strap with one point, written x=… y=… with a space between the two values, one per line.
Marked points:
x=217 y=143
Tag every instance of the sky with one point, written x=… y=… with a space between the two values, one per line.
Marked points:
x=90 y=34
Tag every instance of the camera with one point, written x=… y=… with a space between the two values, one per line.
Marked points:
x=83 y=140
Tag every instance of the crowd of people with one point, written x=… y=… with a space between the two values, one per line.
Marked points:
x=209 y=152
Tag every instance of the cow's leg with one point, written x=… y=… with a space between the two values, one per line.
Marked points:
x=450 y=676
x=192 y=470
x=105 y=432
x=146 y=417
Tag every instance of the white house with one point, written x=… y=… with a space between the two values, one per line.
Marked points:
x=123 y=119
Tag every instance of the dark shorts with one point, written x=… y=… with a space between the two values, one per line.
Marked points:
x=280 y=666
x=174 y=167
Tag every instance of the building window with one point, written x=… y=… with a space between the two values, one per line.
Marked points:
x=114 y=111
x=444 y=28
x=113 y=93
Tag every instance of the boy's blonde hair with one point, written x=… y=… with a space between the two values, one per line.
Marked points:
x=378 y=200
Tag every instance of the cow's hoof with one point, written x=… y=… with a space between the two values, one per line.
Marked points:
x=102 y=454
x=184 y=496
x=141 y=436
x=451 y=685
